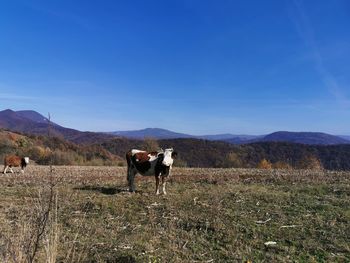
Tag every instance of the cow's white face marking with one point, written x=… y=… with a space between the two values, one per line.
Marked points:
x=168 y=160
x=26 y=159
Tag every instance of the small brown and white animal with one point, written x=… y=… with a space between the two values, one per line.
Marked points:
x=156 y=164
x=15 y=161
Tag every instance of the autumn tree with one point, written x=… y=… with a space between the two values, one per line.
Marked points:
x=150 y=145
x=233 y=160
x=310 y=162
x=264 y=164
x=282 y=165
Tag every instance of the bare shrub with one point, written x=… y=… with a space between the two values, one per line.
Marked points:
x=310 y=162
x=180 y=162
x=6 y=146
x=282 y=165
x=37 y=153
x=233 y=160
x=264 y=164
x=150 y=145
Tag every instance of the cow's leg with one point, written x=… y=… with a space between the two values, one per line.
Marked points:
x=5 y=168
x=170 y=168
x=11 y=169
x=157 y=184
x=128 y=175
x=131 y=179
x=164 y=183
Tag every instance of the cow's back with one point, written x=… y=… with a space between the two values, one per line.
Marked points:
x=12 y=160
x=142 y=161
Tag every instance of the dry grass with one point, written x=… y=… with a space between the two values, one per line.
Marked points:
x=209 y=215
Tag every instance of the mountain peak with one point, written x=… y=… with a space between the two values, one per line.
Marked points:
x=7 y=111
x=32 y=115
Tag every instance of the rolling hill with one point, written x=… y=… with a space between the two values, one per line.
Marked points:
x=315 y=138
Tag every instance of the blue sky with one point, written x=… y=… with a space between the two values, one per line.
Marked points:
x=200 y=67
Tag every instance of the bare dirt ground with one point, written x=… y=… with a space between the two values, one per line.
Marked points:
x=85 y=214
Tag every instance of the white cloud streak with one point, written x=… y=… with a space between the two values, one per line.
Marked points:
x=306 y=32
x=64 y=15
x=8 y=96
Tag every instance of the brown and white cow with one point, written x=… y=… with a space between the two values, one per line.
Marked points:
x=158 y=164
x=15 y=161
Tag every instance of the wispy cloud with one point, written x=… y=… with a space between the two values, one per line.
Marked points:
x=64 y=15
x=8 y=96
x=16 y=98
x=306 y=32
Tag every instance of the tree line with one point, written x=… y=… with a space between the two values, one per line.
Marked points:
x=191 y=152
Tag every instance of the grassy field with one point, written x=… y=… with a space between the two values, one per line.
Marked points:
x=85 y=214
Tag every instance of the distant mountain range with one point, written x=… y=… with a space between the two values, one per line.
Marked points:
x=316 y=138
x=158 y=133
x=152 y=133
x=33 y=122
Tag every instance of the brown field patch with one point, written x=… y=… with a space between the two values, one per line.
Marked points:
x=209 y=215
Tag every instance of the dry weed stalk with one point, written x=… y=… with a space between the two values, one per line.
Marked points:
x=37 y=223
x=40 y=221
x=52 y=237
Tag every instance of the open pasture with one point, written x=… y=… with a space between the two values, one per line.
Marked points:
x=85 y=214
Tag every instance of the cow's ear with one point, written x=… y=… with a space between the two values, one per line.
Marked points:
x=174 y=155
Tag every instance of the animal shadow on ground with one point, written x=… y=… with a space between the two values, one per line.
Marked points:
x=102 y=189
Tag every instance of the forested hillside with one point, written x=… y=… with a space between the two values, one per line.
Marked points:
x=191 y=152
x=204 y=153
x=55 y=150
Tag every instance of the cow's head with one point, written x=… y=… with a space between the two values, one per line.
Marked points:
x=24 y=163
x=169 y=156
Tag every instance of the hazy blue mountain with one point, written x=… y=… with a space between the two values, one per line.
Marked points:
x=346 y=137
x=227 y=137
x=243 y=139
x=317 y=138
x=159 y=133
x=156 y=133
